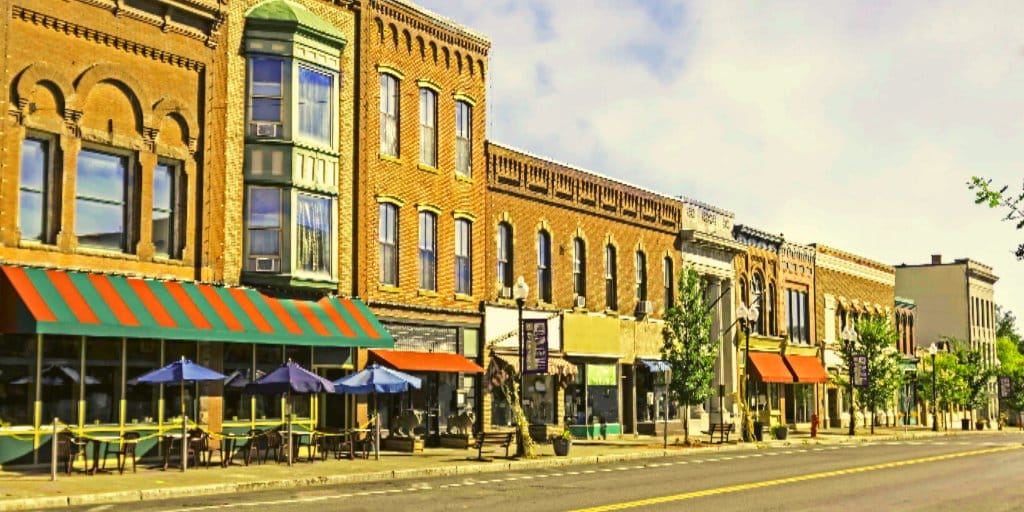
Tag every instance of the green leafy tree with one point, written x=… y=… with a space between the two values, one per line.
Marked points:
x=1014 y=403
x=948 y=382
x=974 y=374
x=1008 y=354
x=1006 y=327
x=1000 y=197
x=878 y=343
x=688 y=348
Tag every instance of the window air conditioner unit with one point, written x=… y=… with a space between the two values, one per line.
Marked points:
x=580 y=302
x=644 y=307
x=266 y=264
x=505 y=292
x=266 y=129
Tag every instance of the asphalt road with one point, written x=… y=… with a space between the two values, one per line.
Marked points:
x=975 y=472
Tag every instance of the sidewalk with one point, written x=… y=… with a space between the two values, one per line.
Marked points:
x=31 y=488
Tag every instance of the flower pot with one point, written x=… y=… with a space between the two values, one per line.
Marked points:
x=980 y=425
x=561 y=446
x=781 y=433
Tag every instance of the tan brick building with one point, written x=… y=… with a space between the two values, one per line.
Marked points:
x=846 y=287
x=599 y=257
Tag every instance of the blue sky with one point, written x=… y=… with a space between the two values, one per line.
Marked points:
x=853 y=124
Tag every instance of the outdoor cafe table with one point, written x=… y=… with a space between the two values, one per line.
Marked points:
x=170 y=440
x=103 y=442
x=230 y=446
x=297 y=442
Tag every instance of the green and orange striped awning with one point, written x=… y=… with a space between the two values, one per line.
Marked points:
x=45 y=301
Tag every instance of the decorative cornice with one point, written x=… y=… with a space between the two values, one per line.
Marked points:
x=846 y=266
x=96 y=36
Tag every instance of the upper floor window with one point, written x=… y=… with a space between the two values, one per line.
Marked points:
x=769 y=309
x=388 y=238
x=168 y=209
x=264 y=227
x=463 y=257
x=611 y=298
x=544 y=266
x=579 y=268
x=37 y=209
x=463 y=139
x=315 y=116
x=389 y=115
x=670 y=298
x=266 y=96
x=641 y=276
x=102 y=200
x=758 y=301
x=428 y=251
x=314 y=234
x=505 y=255
x=428 y=127
x=797 y=317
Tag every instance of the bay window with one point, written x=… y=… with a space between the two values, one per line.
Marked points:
x=313 y=234
x=315 y=116
x=266 y=96
x=264 y=229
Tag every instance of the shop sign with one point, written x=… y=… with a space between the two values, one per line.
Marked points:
x=535 y=351
x=860 y=370
x=1005 y=387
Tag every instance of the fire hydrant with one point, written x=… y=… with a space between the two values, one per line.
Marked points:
x=814 y=425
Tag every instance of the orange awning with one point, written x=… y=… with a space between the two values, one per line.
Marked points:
x=426 y=361
x=770 y=367
x=807 y=368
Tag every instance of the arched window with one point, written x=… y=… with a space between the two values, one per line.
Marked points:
x=769 y=309
x=641 y=276
x=579 y=268
x=505 y=255
x=743 y=292
x=463 y=257
x=611 y=299
x=544 y=267
x=757 y=300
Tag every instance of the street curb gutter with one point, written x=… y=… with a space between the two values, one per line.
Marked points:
x=404 y=474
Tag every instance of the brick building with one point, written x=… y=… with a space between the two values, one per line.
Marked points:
x=846 y=287
x=906 y=317
x=599 y=257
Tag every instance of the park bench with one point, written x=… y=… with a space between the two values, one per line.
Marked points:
x=722 y=429
x=501 y=439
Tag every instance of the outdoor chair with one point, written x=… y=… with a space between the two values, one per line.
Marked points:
x=69 y=448
x=208 y=447
x=124 y=450
x=257 y=441
x=274 y=443
x=197 y=441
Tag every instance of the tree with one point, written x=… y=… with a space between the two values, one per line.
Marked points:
x=1006 y=326
x=1008 y=354
x=947 y=382
x=974 y=374
x=688 y=348
x=878 y=342
x=1011 y=365
x=506 y=379
x=986 y=193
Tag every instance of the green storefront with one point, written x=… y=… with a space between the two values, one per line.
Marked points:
x=72 y=343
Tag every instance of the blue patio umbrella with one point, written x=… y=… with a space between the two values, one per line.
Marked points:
x=377 y=379
x=289 y=378
x=179 y=372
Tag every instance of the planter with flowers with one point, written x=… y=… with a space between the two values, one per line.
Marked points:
x=562 y=442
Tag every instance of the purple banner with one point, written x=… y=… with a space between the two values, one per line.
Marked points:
x=535 y=346
x=1005 y=387
x=860 y=371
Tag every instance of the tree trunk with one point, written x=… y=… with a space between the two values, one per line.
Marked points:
x=686 y=425
x=522 y=425
x=874 y=419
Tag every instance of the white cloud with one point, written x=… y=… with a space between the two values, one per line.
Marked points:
x=848 y=123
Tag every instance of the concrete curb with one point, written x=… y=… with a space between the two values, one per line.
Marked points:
x=405 y=474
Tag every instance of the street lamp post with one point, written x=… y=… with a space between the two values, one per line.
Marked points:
x=850 y=336
x=747 y=316
x=932 y=350
x=520 y=292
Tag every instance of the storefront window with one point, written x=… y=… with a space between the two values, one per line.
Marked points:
x=268 y=358
x=17 y=368
x=799 y=403
x=172 y=392
x=602 y=394
x=539 y=394
x=650 y=396
x=61 y=368
x=238 y=369
x=303 y=356
x=102 y=380
x=142 y=399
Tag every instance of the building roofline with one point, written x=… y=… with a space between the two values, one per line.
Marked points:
x=444 y=22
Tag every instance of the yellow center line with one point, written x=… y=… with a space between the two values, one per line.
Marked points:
x=789 y=480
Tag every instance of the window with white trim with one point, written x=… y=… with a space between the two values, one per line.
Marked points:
x=505 y=255
x=611 y=285
x=103 y=193
x=428 y=251
x=544 y=266
x=315 y=113
x=463 y=139
x=641 y=276
x=428 y=127
x=463 y=257
x=266 y=97
x=387 y=237
x=579 y=268
x=389 y=115
x=263 y=221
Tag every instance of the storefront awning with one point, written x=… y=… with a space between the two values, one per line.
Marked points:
x=655 y=365
x=806 y=368
x=769 y=367
x=45 y=301
x=426 y=361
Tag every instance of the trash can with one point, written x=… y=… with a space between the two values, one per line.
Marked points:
x=758 y=431
x=965 y=424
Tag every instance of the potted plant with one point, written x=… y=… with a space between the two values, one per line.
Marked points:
x=780 y=432
x=562 y=442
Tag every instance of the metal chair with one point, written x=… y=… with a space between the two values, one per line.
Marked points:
x=69 y=447
x=124 y=450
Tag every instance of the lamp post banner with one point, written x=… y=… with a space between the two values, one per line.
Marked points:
x=1005 y=387
x=536 y=346
x=860 y=370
